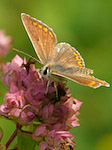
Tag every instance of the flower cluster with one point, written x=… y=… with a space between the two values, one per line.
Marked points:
x=26 y=103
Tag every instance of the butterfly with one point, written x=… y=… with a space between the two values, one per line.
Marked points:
x=59 y=60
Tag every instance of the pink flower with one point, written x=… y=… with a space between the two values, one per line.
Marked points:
x=53 y=139
x=26 y=102
x=43 y=146
x=28 y=115
x=15 y=100
x=5 y=43
x=13 y=104
x=11 y=72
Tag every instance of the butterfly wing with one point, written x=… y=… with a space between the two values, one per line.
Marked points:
x=66 y=55
x=82 y=79
x=41 y=36
x=69 y=64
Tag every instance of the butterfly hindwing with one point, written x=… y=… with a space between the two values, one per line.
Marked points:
x=82 y=78
x=67 y=56
x=69 y=64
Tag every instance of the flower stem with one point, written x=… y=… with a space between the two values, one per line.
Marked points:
x=28 y=132
x=13 y=136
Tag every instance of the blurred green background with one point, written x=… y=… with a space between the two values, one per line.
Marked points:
x=87 y=26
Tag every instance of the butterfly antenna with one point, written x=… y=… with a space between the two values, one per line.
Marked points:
x=14 y=49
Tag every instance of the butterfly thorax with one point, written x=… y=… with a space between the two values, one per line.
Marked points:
x=46 y=72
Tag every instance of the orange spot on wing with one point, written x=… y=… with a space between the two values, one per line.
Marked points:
x=71 y=50
x=35 y=24
x=77 y=57
x=50 y=34
x=92 y=83
x=45 y=29
x=79 y=63
x=99 y=81
x=40 y=26
x=75 y=53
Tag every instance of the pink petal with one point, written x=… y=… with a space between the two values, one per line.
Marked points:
x=40 y=129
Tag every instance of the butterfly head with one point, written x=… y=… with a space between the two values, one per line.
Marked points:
x=45 y=71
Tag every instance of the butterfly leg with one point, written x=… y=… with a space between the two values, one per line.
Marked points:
x=48 y=83
x=56 y=85
x=42 y=81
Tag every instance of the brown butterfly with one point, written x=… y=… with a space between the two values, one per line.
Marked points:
x=59 y=60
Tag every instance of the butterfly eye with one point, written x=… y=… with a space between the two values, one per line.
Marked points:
x=45 y=71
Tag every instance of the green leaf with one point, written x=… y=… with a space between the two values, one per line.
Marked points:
x=25 y=141
x=37 y=147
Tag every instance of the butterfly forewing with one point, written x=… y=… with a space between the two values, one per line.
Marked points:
x=42 y=37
